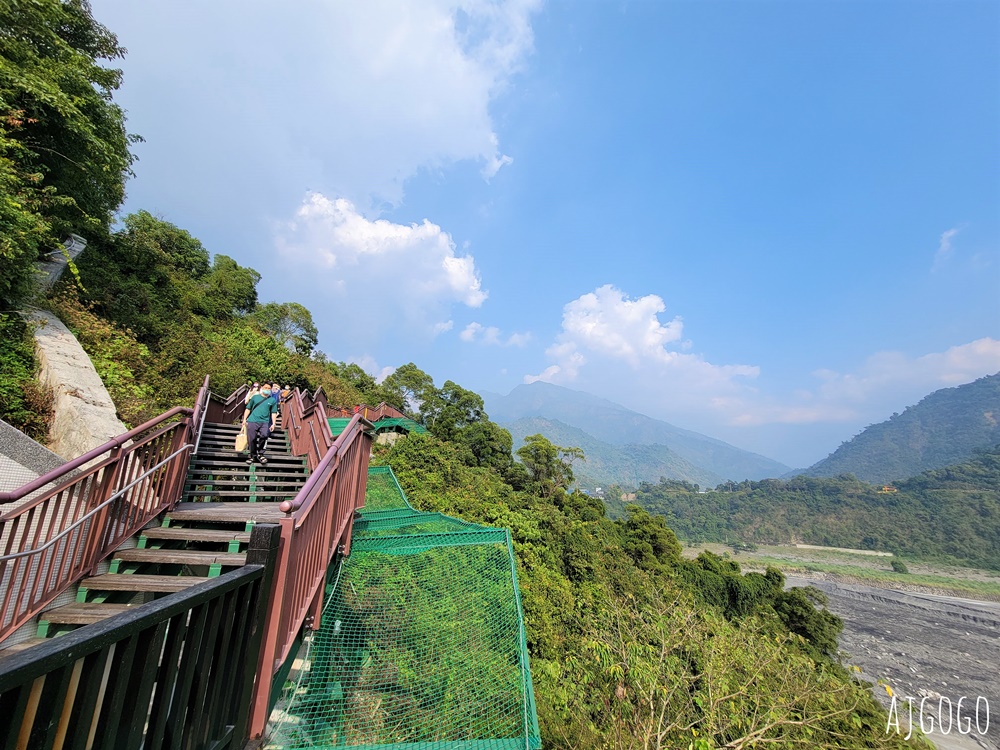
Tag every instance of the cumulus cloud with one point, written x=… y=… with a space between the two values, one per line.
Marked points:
x=618 y=346
x=491 y=335
x=410 y=269
x=363 y=96
x=619 y=339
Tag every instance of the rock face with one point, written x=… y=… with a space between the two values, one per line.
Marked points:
x=84 y=415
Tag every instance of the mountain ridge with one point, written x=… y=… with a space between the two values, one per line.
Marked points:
x=620 y=426
x=945 y=427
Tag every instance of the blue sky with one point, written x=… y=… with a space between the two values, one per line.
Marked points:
x=772 y=222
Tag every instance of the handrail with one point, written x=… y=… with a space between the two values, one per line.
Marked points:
x=83 y=510
x=200 y=409
x=76 y=463
x=316 y=526
x=372 y=413
x=312 y=485
x=80 y=521
x=175 y=672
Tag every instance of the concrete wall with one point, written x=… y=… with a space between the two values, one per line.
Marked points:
x=22 y=459
x=84 y=415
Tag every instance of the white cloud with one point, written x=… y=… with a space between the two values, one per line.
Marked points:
x=621 y=340
x=395 y=86
x=618 y=346
x=347 y=98
x=945 y=248
x=411 y=270
x=491 y=335
x=887 y=381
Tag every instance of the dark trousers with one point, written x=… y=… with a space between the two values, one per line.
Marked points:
x=257 y=434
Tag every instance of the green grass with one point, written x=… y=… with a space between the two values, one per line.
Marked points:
x=960 y=585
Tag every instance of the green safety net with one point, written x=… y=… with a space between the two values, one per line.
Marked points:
x=422 y=640
x=388 y=424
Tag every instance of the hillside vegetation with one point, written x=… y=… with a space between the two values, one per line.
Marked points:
x=634 y=647
x=950 y=514
x=944 y=428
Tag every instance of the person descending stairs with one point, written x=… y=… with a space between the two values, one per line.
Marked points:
x=206 y=534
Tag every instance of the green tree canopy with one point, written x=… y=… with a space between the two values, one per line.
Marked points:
x=64 y=150
x=289 y=323
x=550 y=466
x=409 y=387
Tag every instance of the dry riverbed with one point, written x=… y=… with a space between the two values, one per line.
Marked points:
x=922 y=644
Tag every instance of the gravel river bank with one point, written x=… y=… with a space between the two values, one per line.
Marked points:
x=924 y=646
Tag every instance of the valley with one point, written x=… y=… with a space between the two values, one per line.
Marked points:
x=933 y=633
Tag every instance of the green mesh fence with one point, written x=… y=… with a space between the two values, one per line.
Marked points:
x=422 y=643
x=338 y=424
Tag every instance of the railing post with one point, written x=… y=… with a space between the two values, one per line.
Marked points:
x=105 y=489
x=271 y=624
x=264 y=549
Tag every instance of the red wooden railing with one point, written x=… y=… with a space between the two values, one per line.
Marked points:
x=75 y=520
x=226 y=410
x=371 y=413
x=82 y=511
x=316 y=526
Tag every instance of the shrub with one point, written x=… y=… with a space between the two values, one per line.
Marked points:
x=23 y=403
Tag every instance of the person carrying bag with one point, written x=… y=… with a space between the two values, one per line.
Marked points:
x=259 y=418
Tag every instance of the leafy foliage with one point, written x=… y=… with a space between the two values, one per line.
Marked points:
x=634 y=647
x=64 y=150
x=950 y=514
x=23 y=404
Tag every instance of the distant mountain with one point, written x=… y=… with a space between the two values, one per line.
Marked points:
x=608 y=464
x=945 y=428
x=613 y=424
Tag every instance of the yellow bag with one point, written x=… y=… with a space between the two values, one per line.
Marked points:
x=241 y=440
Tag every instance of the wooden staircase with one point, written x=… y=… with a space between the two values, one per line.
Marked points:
x=203 y=536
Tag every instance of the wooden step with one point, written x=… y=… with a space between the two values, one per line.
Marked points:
x=261 y=491
x=196 y=535
x=136 y=582
x=218 y=453
x=226 y=512
x=17 y=648
x=240 y=471
x=181 y=557
x=245 y=480
x=83 y=613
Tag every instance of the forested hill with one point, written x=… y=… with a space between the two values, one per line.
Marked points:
x=951 y=514
x=615 y=424
x=945 y=428
x=606 y=464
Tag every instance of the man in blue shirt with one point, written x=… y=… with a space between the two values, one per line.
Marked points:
x=259 y=417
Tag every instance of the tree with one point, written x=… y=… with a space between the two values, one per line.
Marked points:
x=289 y=323
x=147 y=277
x=551 y=466
x=230 y=289
x=409 y=387
x=64 y=150
x=448 y=411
